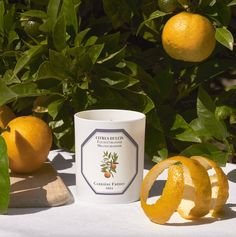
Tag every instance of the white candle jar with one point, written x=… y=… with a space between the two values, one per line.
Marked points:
x=109 y=147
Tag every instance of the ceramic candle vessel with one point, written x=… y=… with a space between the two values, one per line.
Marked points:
x=109 y=147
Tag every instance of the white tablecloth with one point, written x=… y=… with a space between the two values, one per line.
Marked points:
x=84 y=219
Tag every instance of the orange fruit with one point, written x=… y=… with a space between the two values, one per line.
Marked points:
x=189 y=37
x=28 y=140
x=6 y=115
x=107 y=174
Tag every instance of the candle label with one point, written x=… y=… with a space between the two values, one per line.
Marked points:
x=109 y=161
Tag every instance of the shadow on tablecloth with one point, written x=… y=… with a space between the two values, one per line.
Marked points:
x=25 y=211
x=232 y=176
x=228 y=213
x=60 y=163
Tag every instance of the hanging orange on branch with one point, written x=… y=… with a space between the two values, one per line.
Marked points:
x=188 y=37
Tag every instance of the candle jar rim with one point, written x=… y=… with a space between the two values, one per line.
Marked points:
x=109 y=115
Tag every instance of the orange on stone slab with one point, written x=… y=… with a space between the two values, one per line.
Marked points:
x=29 y=140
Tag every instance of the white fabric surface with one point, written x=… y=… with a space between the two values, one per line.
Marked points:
x=85 y=219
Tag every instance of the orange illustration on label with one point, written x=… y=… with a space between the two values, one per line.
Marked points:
x=109 y=164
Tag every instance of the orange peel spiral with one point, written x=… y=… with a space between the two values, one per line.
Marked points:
x=188 y=189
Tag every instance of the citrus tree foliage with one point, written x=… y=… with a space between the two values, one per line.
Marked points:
x=58 y=57
x=4 y=178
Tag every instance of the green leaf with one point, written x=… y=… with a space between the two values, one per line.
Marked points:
x=140 y=101
x=69 y=10
x=165 y=82
x=207 y=150
x=113 y=59
x=221 y=13
x=91 y=41
x=55 y=107
x=46 y=71
x=58 y=59
x=10 y=19
x=2 y=10
x=139 y=73
x=154 y=121
x=79 y=99
x=198 y=126
x=134 y=4
x=111 y=41
x=12 y=36
x=80 y=37
x=205 y=104
x=52 y=12
x=224 y=37
x=6 y=94
x=119 y=12
x=40 y=3
x=154 y=15
x=60 y=64
x=95 y=51
x=9 y=78
x=4 y=178
x=53 y=9
x=27 y=90
x=155 y=144
x=182 y=131
x=59 y=33
x=206 y=113
x=202 y=3
x=115 y=79
x=232 y=3
x=35 y=13
x=63 y=131
x=27 y=58
x=211 y=68
x=223 y=112
x=232 y=119
x=84 y=63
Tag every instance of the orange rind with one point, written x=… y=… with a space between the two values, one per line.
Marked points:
x=197 y=189
x=219 y=185
x=163 y=208
x=188 y=189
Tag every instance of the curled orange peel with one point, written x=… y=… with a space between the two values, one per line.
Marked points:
x=165 y=206
x=188 y=189
x=219 y=185
x=196 y=198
